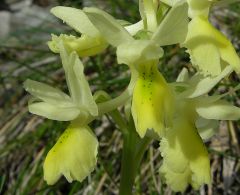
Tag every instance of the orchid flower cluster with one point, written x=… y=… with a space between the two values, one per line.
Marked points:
x=181 y=115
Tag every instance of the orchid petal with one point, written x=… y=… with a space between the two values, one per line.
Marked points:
x=148 y=9
x=47 y=93
x=170 y=2
x=185 y=158
x=197 y=7
x=138 y=51
x=77 y=83
x=77 y=19
x=74 y=156
x=152 y=103
x=108 y=26
x=209 y=57
x=220 y=110
x=206 y=128
x=84 y=46
x=200 y=85
x=203 y=39
x=54 y=112
x=173 y=28
x=183 y=76
x=134 y=28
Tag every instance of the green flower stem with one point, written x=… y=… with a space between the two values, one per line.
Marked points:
x=132 y=153
x=112 y=104
x=133 y=150
x=119 y=120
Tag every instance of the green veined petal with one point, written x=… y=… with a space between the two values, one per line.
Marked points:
x=86 y=97
x=74 y=155
x=54 y=112
x=109 y=27
x=220 y=110
x=77 y=83
x=148 y=10
x=198 y=85
x=47 y=93
x=173 y=28
x=141 y=11
x=77 y=19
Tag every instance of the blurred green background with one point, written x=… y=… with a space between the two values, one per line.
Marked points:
x=25 y=139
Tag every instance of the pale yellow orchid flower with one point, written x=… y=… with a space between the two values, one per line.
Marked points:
x=151 y=96
x=88 y=44
x=75 y=153
x=210 y=51
x=185 y=158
